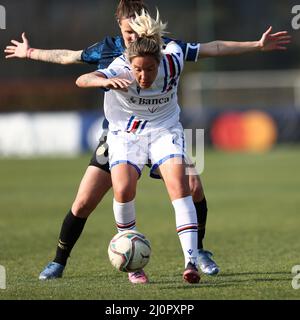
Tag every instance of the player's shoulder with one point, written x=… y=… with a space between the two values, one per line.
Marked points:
x=121 y=61
x=108 y=42
x=167 y=41
x=104 y=51
x=172 y=44
x=119 y=66
x=174 y=49
x=114 y=42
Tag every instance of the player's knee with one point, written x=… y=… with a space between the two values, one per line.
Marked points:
x=124 y=193
x=197 y=194
x=83 y=207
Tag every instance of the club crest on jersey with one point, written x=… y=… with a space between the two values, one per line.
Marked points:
x=132 y=100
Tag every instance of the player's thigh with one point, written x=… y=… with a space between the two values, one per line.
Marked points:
x=94 y=185
x=127 y=157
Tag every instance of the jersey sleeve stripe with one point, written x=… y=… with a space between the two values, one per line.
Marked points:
x=166 y=75
x=177 y=63
x=199 y=46
x=171 y=65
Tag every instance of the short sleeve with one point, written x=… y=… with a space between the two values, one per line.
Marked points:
x=190 y=50
x=117 y=69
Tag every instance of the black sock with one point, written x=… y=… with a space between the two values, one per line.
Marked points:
x=201 y=209
x=69 y=234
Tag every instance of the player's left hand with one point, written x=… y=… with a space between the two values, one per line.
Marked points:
x=274 y=41
x=18 y=49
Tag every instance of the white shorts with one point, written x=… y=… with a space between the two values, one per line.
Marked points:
x=137 y=150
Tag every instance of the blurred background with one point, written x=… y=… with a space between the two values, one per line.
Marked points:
x=244 y=103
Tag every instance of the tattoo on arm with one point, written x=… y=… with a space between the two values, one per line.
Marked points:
x=92 y=80
x=59 y=56
x=218 y=49
x=88 y=79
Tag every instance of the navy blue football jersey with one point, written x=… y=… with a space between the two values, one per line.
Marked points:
x=104 y=52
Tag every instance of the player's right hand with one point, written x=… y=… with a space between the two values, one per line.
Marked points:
x=18 y=49
x=117 y=84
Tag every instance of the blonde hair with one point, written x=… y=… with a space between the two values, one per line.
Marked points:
x=149 y=33
x=145 y=26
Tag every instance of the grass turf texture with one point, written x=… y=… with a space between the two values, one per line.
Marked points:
x=252 y=229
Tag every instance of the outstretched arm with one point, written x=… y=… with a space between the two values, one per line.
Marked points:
x=23 y=50
x=98 y=79
x=268 y=42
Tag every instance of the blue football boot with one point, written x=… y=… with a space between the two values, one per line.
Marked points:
x=206 y=263
x=53 y=270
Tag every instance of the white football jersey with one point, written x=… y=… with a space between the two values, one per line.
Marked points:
x=142 y=110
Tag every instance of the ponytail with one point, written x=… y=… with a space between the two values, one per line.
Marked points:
x=149 y=32
x=145 y=26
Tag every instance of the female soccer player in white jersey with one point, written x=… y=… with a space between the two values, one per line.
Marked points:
x=96 y=180
x=143 y=116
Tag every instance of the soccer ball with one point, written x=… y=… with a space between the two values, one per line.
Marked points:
x=129 y=251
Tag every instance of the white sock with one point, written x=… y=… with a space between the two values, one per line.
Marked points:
x=187 y=228
x=124 y=215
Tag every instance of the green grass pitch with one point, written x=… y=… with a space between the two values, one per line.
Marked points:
x=253 y=230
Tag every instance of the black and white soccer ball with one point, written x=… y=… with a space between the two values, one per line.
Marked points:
x=129 y=251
